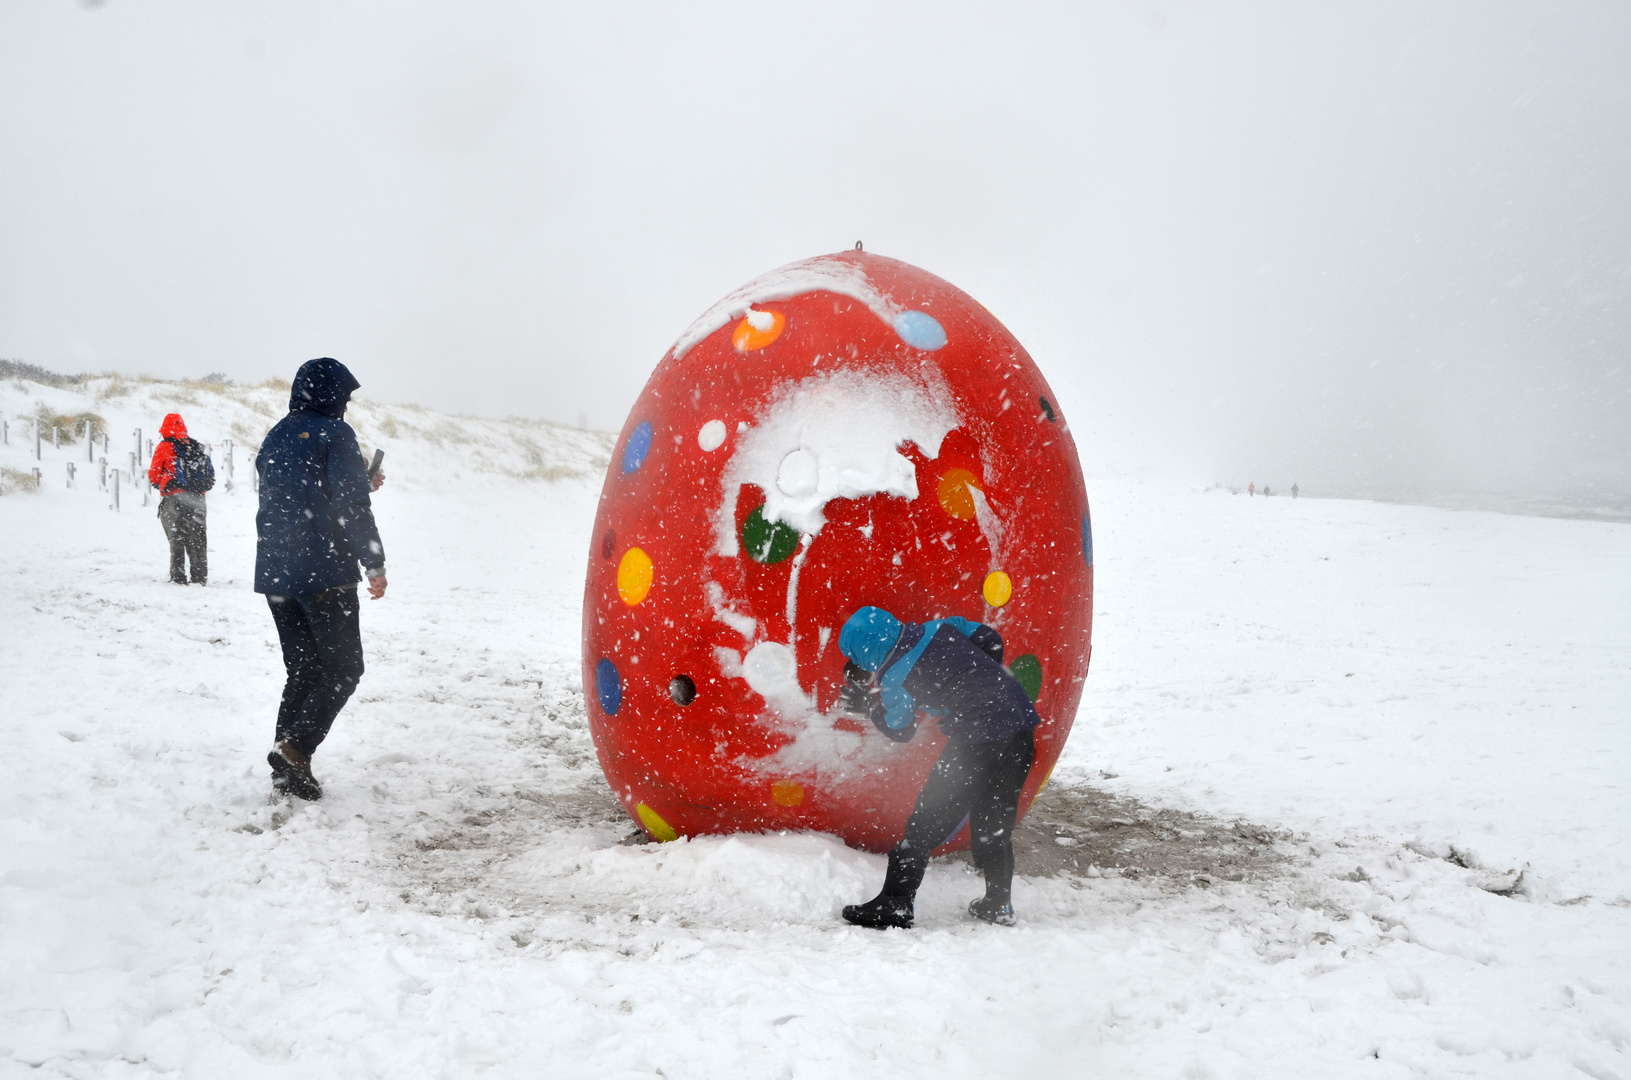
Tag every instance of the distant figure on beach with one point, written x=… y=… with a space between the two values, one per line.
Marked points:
x=1265 y=491
x=1251 y=488
x=315 y=525
x=182 y=472
x=1293 y=491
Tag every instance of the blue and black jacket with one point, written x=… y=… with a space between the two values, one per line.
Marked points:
x=316 y=522
x=950 y=668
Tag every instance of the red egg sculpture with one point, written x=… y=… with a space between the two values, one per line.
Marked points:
x=846 y=430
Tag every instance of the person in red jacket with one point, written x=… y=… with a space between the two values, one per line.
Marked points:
x=182 y=472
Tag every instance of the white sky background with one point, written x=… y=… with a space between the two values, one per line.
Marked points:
x=1379 y=247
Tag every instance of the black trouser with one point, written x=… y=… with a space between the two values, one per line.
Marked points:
x=322 y=653
x=983 y=782
x=182 y=515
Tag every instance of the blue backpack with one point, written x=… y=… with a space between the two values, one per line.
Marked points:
x=193 y=469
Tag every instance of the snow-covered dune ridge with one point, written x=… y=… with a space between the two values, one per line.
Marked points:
x=422 y=446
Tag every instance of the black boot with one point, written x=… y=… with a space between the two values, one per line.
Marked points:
x=992 y=910
x=893 y=905
x=291 y=773
x=881 y=912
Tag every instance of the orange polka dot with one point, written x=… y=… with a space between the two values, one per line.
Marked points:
x=758 y=329
x=634 y=574
x=956 y=493
x=787 y=792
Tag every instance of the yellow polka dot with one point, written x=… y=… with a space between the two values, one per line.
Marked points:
x=659 y=829
x=1044 y=783
x=956 y=493
x=758 y=329
x=634 y=576
x=787 y=792
x=998 y=588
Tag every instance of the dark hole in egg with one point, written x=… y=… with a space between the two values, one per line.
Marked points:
x=682 y=690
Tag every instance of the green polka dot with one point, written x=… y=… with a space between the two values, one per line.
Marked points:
x=768 y=541
x=1028 y=670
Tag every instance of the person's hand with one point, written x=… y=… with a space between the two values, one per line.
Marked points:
x=376 y=587
x=376 y=481
x=856 y=700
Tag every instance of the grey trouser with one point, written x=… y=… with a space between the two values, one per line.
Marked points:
x=182 y=515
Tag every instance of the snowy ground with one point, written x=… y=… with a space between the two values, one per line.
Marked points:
x=1399 y=709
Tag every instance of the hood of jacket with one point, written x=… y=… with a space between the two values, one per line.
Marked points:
x=867 y=637
x=172 y=428
x=322 y=386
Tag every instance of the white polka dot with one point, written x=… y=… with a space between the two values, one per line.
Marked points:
x=800 y=473
x=712 y=435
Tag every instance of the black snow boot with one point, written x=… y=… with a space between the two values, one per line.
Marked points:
x=992 y=911
x=881 y=912
x=291 y=772
x=893 y=905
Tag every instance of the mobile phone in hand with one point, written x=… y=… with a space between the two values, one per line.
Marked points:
x=373 y=466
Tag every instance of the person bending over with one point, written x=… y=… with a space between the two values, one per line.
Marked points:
x=951 y=669
x=314 y=526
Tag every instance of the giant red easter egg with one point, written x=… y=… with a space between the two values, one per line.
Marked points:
x=843 y=431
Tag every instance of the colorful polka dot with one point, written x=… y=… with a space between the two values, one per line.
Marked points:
x=660 y=830
x=758 y=329
x=608 y=687
x=712 y=435
x=920 y=330
x=956 y=492
x=768 y=541
x=787 y=792
x=608 y=544
x=683 y=689
x=1087 y=539
x=638 y=446
x=1047 y=409
x=998 y=588
x=634 y=575
x=1028 y=670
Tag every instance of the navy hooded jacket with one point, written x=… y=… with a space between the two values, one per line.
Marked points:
x=315 y=523
x=950 y=668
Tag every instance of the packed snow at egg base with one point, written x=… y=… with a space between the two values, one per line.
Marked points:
x=1411 y=720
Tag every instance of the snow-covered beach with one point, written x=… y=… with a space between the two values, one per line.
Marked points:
x=1415 y=716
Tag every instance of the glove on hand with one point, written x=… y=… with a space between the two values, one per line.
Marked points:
x=858 y=696
x=857 y=700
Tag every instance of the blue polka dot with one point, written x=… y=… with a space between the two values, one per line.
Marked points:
x=638 y=446
x=920 y=330
x=1087 y=540
x=609 y=687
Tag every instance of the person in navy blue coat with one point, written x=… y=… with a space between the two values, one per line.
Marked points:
x=315 y=526
x=952 y=670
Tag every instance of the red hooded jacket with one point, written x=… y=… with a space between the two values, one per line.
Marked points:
x=163 y=469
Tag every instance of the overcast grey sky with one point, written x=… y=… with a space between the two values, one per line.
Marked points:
x=1366 y=247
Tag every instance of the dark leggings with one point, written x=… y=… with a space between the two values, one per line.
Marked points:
x=982 y=782
x=322 y=654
